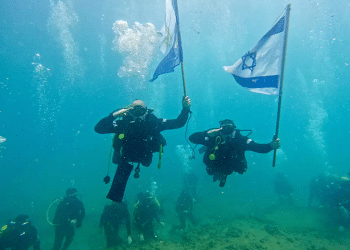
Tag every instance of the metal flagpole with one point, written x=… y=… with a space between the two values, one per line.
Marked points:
x=181 y=53
x=183 y=78
x=281 y=82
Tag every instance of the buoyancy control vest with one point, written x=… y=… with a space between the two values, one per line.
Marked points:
x=227 y=156
x=139 y=137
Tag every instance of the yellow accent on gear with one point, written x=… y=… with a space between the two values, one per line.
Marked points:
x=160 y=156
x=4 y=228
x=212 y=157
x=48 y=210
x=218 y=140
x=156 y=202
x=121 y=136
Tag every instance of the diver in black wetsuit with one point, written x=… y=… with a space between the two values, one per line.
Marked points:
x=332 y=193
x=115 y=214
x=145 y=211
x=283 y=190
x=184 y=208
x=19 y=234
x=137 y=138
x=226 y=148
x=322 y=190
x=70 y=212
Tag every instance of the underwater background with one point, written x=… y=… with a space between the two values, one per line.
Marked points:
x=67 y=64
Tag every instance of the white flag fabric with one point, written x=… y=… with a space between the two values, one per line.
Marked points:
x=259 y=69
x=171 y=46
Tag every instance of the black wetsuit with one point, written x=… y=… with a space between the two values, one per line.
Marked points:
x=283 y=190
x=68 y=210
x=230 y=153
x=115 y=214
x=333 y=193
x=19 y=237
x=145 y=211
x=141 y=137
x=184 y=208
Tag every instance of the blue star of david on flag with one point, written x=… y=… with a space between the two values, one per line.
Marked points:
x=246 y=57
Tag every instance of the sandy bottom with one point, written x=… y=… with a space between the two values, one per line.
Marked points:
x=272 y=228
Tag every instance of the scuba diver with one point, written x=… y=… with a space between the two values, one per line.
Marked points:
x=322 y=190
x=19 y=234
x=145 y=211
x=137 y=138
x=115 y=214
x=184 y=208
x=283 y=190
x=70 y=212
x=332 y=193
x=225 y=150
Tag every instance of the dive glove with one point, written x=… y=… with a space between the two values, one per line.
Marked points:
x=120 y=112
x=186 y=102
x=276 y=143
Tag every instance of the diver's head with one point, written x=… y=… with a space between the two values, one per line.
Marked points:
x=185 y=192
x=138 y=108
x=144 y=196
x=227 y=126
x=71 y=192
x=141 y=195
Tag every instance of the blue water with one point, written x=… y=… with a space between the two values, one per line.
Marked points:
x=60 y=73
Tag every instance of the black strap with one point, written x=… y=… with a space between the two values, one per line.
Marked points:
x=192 y=148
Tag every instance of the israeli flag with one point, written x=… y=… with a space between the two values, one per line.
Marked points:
x=260 y=68
x=171 y=45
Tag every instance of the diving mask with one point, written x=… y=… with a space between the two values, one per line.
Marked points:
x=227 y=126
x=227 y=129
x=138 y=111
x=138 y=108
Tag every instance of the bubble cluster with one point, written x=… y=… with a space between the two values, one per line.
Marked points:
x=317 y=114
x=2 y=139
x=184 y=153
x=61 y=22
x=41 y=76
x=154 y=188
x=137 y=46
x=103 y=42
x=317 y=119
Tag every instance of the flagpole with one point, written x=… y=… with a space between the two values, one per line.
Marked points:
x=181 y=52
x=183 y=78
x=281 y=82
